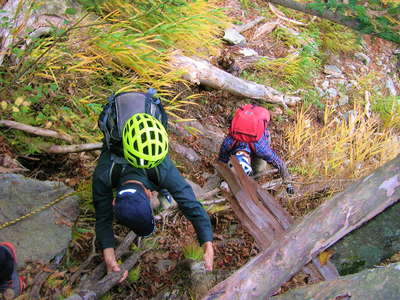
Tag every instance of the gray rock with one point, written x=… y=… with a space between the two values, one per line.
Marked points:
x=390 y=86
x=332 y=70
x=343 y=100
x=212 y=138
x=367 y=246
x=233 y=37
x=187 y=152
x=248 y=52
x=41 y=236
x=332 y=92
x=364 y=58
x=325 y=85
x=378 y=284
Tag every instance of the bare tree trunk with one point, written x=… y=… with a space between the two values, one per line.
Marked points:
x=378 y=283
x=200 y=71
x=335 y=218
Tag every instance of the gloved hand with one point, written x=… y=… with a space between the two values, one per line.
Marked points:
x=290 y=189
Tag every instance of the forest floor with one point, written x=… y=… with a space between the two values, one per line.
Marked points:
x=157 y=270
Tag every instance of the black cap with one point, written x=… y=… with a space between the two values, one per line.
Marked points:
x=132 y=209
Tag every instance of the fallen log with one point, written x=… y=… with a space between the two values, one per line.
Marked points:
x=378 y=283
x=263 y=217
x=335 y=218
x=36 y=130
x=200 y=71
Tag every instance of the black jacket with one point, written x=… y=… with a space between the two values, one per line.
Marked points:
x=168 y=177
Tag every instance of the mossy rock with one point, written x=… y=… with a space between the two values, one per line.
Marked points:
x=367 y=246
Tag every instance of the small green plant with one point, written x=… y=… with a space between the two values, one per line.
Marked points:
x=312 y=98
x=193 y=251
x=389 y=110
x=107 y=296
x=134 y=275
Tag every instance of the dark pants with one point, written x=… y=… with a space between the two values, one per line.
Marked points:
x=6 y=265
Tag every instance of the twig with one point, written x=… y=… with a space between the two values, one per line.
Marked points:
x=280 y=15
x=22 y=73
x=82 y=267
x=37 y=284
x=211 y=202
x=247 y=26
x=266 y=172
x=36 y=130
x=57 y=149
x=324 y=181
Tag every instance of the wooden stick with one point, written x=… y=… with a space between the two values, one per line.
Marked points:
x=247 y=26
x=57 y=149
x=36 y=130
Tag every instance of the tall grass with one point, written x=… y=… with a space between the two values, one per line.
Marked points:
x=343 y=146
x=69 y=74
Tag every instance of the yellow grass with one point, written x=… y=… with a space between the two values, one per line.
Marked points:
x=341 y=148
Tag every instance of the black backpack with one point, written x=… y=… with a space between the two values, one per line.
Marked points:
x=120 y=108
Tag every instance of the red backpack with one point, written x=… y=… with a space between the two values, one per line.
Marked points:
x=249 y=123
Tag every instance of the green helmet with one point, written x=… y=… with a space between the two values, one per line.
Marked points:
x=145 y=141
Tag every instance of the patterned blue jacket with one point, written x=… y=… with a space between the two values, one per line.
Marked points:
x=260 y=149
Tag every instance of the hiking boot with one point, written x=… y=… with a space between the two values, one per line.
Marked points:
x=16 y=283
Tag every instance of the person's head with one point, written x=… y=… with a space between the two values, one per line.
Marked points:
x=244 y=161
x=132 y=208
x=145 y=141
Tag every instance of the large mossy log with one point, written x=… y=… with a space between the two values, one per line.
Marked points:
x=379 y=283
x=335 y=218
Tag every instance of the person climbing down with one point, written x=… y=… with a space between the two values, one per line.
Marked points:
x=134 y=161
x=249 y=140
x=9 y=278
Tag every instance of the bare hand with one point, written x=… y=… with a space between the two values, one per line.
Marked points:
x=208 y=255
x=117 y=268
x=112 y=264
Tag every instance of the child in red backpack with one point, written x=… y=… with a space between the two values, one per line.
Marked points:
x=9 y=278
x=249 y=139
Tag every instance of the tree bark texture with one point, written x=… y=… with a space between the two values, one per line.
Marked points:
x=200 y=71
x=346 y=211
x=379 y=283
x=263 y=217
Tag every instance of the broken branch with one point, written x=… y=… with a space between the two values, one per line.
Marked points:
x=36 y=130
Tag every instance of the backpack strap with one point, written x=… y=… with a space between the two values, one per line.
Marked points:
x=104 y=119
x=151 y=105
